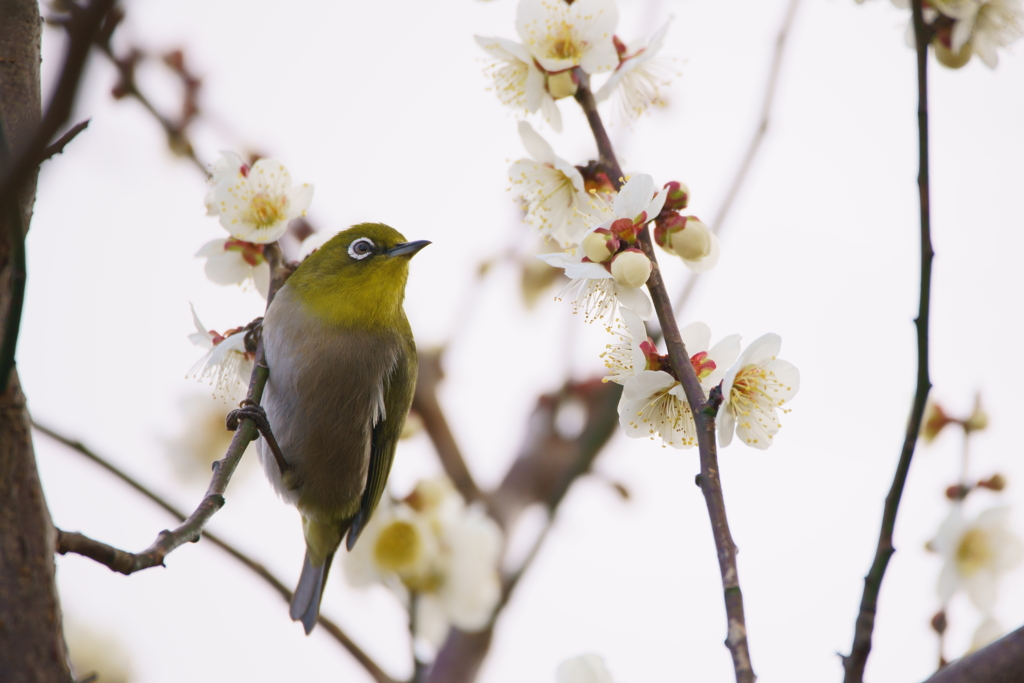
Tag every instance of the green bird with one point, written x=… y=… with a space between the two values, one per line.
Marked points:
x=342 y=364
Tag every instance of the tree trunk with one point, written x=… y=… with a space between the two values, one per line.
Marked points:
x=31 y=640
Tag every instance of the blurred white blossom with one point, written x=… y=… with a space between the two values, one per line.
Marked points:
x=988 y=632
x=985 y=26
x=583 y=669
x=653 y=401
x=433 y=546
x=235 y=262
x=753 y=390
x=975 y=554
x=639 y=76
x=561 y=36
x=227 y=366
x=557 y=203
x=202 y=439
x=255 y=204
x=593 y=289
x=517 y=80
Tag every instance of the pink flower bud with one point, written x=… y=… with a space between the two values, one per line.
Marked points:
x=668 y=223
x=631 y=268
x=624 y=229
x=600 y=245
x=677 y=195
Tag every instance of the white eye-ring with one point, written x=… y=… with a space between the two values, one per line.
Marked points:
x=361 y=248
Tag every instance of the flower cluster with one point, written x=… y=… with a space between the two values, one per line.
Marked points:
x=563 y=43
x=432 y=548
x=964 y=28
x=653 y=402
x=254 y=204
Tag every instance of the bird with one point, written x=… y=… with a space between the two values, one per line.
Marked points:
x=342 y=371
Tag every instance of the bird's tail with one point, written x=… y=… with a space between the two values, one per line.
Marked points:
x=306 y=601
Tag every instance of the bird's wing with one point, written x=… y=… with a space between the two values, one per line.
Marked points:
x=398 y=390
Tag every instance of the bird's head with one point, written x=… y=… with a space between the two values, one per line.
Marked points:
x=357 y=279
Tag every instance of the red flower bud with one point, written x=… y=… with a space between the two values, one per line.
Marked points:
x=677 y=195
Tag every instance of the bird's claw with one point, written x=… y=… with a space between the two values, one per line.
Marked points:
x=248 y=410
x=251 y=410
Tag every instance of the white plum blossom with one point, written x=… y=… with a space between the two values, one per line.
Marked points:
x=639 y=76
x=432 y=547
x=517 y=80
x=583 y=669
x=256 y=204
x=557 y=203
x=561 y=36
x=593 y=289
x=975 y=554
x=235 y=262
x=653 y=401
x=227 y=366
x=753 y=390
x=986 y=26
x=629 y=353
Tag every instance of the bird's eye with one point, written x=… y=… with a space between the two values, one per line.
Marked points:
x=361 y=248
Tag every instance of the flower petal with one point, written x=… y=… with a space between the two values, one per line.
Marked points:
x=636 y=300
x=696 y=337
x=536 y=146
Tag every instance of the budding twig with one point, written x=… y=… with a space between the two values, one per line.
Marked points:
x=711 y=485
x=854 y=664
x=112 y=557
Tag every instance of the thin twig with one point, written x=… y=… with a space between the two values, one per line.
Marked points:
x=191 y=530
x=754 y=146
x=62 y=142
x=82 y=29
x=854 y=664
x=98 y=548
x=711 y=486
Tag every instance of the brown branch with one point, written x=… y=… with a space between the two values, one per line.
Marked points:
x=426 y=405
x=999 y=662
x=711 y=486
x=62 y=142
x=191 y=530
x=754 y=146
x=82 y=29
x=854 y=664
x=116 y=559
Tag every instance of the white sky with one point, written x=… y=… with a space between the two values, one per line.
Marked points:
x=384 y=108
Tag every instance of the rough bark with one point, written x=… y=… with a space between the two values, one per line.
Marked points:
x=31 y=639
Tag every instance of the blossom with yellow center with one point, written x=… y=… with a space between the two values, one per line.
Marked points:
x=561 y=36
x=433 y=546
x=552 y=189
x=753 y=390
x=975 y=554
x=653 y=402
x=517 y=80
x=256 y=204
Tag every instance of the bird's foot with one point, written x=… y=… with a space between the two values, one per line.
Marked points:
x=248 y=410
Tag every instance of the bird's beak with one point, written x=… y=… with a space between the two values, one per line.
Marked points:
x=406 y=248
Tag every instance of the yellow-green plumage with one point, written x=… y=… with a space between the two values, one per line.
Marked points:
x=342 y=367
